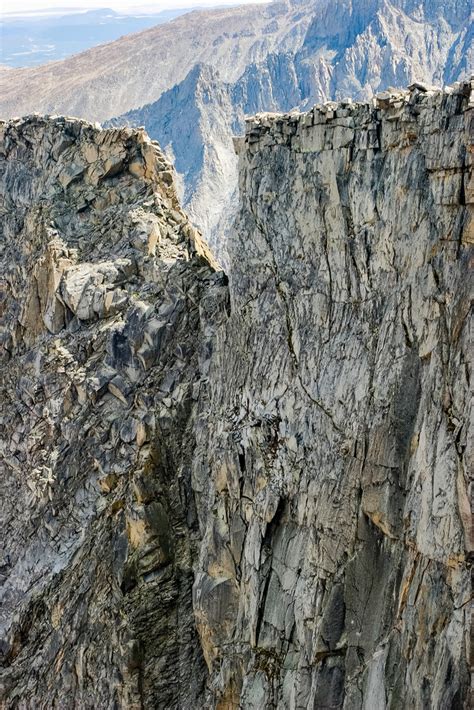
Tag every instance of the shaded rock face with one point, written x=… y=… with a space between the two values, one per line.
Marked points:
x=246 y=495
x=106 y=301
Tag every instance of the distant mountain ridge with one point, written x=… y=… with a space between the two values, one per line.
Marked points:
x=31 y=40
x=191 y=81
x=342 y=48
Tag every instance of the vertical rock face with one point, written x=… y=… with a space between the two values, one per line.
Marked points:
x=255 y=503
x=331 y=475
x=106 y=300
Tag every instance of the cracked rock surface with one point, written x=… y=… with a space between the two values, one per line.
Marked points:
x=107 y=293
x=244 y=495
x=333 y=571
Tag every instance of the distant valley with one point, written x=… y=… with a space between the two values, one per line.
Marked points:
x=31 y=40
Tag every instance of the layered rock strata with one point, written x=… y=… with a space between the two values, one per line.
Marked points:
x=246 y=495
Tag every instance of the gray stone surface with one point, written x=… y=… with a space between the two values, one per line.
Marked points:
x=251 y=494
x=105 y=288
x=334 y=568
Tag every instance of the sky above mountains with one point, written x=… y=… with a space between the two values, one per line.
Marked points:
x=9 y=7
x=33 y=32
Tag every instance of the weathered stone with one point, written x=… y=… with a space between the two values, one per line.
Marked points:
x=251 y=493
x=98 y=584
x=348 y=327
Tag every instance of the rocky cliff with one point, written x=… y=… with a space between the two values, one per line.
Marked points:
x=336 y=530
x=251 y=494
x=107 y=313
x=191 y=82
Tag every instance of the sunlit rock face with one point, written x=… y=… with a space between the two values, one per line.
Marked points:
x=333 y=570
x=246 y=494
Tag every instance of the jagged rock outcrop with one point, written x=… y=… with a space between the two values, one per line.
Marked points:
x=254 y=502
x=107 y=313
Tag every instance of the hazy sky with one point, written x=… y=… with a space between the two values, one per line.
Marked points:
x=15 y=6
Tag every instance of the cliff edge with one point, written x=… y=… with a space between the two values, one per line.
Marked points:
x=337 y=525
x=246 y=494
